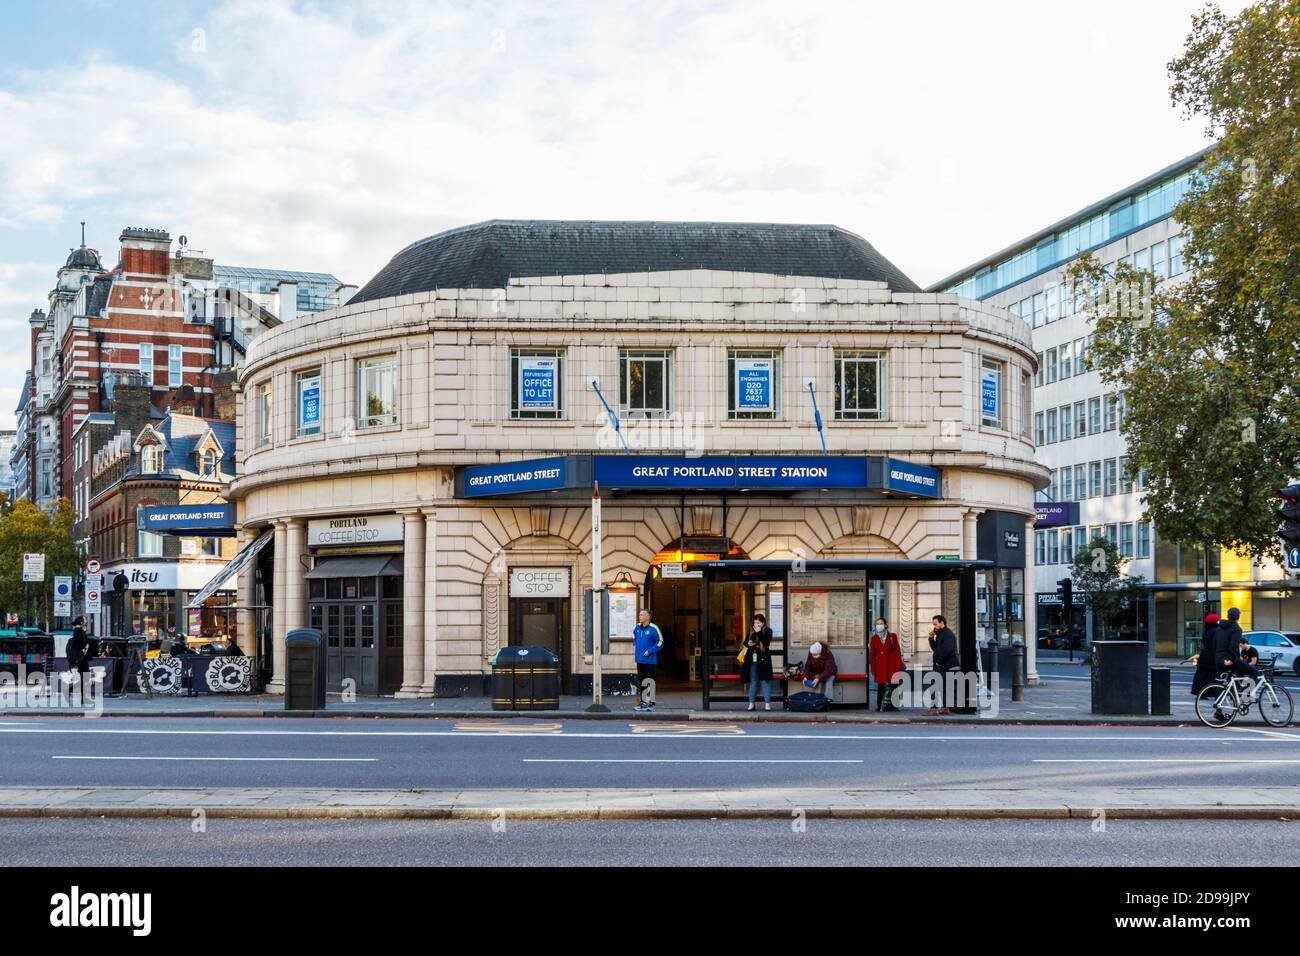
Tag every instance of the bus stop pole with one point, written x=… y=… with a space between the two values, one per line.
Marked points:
x=598 y=608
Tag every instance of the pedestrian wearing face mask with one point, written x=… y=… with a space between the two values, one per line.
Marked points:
x=886 y=662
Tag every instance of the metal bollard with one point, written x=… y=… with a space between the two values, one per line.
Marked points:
x=1018 y=673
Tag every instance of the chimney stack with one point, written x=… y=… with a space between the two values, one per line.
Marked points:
x=145 y=252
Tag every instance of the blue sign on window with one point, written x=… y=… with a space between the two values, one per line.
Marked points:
x=309 y=399
x=538 y=384
x=989 y=393
x=753 y=385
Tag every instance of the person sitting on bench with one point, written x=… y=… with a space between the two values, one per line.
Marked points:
x=819 y=669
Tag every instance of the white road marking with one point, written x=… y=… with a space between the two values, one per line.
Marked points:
x=669 y=760
x=203 y=759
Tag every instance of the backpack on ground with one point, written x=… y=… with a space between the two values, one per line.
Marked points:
x=807 y=702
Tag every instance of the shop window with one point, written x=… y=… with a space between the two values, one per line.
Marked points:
x=536 y=383
x=645 y=382
x=316 y=588
x=333 y=588
x=860 y=385
x=367 y=587
x=377 y=391
x=753 y=384
x=392 y=586
x=393 y=624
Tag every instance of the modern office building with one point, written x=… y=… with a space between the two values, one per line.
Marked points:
x=416 y=468
x=1076 y=424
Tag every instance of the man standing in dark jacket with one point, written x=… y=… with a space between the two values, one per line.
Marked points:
x=1206 y=667
x=943 y=650
x=80 y=650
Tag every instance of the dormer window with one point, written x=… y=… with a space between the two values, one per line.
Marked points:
x=151 y=459
x=208 y=466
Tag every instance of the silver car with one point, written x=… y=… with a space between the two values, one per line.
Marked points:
x=1282 y=646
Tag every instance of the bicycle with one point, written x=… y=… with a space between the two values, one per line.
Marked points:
x=1221 y=702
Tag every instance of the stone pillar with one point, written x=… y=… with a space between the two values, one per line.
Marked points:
x=1031 y=607
x=412 y=604
x=248 y=597
x=280 y=543
x=295 y=604
x=429 y=680
x=969 y=548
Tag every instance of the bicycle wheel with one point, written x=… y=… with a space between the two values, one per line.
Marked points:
x=1275 y=705
x=1208 y=707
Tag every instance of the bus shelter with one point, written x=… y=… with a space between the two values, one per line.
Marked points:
x=833 y=601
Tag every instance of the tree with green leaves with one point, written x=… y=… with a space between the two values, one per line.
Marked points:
x=1098 y=572
x=1209 y=367
x=25 y=528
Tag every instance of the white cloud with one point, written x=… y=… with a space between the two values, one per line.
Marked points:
x=328 y=136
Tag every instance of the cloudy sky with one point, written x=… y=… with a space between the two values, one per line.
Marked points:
x=325 y=136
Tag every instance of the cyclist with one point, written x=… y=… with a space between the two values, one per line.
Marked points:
x=1228 y=654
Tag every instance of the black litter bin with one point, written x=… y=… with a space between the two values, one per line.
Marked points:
x=304 y=670
x=525 y=678
x=1160 y=691
x=1119 y=677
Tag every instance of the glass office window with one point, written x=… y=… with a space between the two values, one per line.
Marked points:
x=1142 y=260
x=1040 y=309
x=262 y=413
x=1094 y=479
x=645 y=382
x=1040 y=547
x=1126 y=539
x=537 y=383
x=860 y=379
x=1176 y=266
x=1080 y=418
x=1067 y=423
x=991 y=391
x=1066 y=362
x=1094 y=416
x=1125 y=476
x=757 y=375
x=1112 y=412
x=1067 y=483
x=1160 y=260
x=146 y=361
x=1053 y=547
x=1144 y=539
x=1038 y=368
x=173 y=366
x=1067 y=545
x=1051 y=425
x=307 y=388
x=1112 y=477
x=1040 y=432
x=1051 y=366
x=1081 y=356
x=377 y=391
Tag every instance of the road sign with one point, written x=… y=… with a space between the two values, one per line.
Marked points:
x=95 y=582
x=33 y=567
x=94 y=566
x=1293 y=558
x=62 y=608
x=92 y=601
x=62 y=588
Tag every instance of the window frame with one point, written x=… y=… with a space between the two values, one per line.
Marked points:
x=517 y=413
x=143 y=364
x=878 y=360
x=628 y=357
x=999 y=367
x=264 y=413
x=736 y=415
x=175 y=366
x=299 y=378
x=364 y=367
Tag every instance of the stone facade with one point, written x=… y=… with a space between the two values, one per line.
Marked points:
x=453 y=361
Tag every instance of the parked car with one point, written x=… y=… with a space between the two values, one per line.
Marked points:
x=1282 y=646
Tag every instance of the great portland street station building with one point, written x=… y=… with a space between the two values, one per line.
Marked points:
x=416 y=468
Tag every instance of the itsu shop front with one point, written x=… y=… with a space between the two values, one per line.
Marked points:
x=355 y=599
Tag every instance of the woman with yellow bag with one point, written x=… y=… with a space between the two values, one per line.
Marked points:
x=756 y=661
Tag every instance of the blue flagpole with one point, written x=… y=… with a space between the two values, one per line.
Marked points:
x=612 y=417
x=817 y=416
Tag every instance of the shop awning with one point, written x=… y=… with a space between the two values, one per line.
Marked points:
x=358 y=566
x=236 y=564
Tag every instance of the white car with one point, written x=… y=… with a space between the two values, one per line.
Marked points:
x=1283 y=646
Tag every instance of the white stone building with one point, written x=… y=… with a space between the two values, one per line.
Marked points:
x=421 y=460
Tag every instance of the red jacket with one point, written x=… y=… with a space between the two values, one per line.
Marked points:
x=820 y=667
x=886 y=657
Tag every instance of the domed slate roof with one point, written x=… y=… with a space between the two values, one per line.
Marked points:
x=487 y=255
x=84 y=258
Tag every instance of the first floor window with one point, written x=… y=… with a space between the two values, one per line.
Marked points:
x=1094 y=416
x=1080 y=419
x=1067 y=483
x=1067 y=545
x=1040 y=547
x=1094 y=479
x=174 y=376
x=1112 y=477
x=1053 y=548
x=991 y=390
x=1144 y=539
x=1067 y=423
x=860 y=379
x=148 y=544
x=377 y=391
x=1125 y=476
x=308 y=390
x=645 y=382
x=536 y=383
x=1080 y=482
x=1040 y=434
x=1126 y=539
x=262 y=413
x=1051 y=426
x=753 y=384
x=146 y=361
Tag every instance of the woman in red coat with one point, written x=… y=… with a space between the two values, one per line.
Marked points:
x=886 y=662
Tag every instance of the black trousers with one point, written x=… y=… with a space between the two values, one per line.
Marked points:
x=642 y=672
x=882 y=691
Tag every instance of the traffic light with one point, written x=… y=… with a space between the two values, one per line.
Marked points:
x=1065 y=588
x=1290 y=515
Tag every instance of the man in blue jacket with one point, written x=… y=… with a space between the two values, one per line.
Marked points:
x=646 y=643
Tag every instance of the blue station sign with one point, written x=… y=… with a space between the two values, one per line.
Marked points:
x=668 y=473
x=211 y=520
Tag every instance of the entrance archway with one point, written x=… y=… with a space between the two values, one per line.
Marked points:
x=676 y=601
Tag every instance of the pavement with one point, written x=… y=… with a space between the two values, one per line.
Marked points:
x=622 y=804
x=1062 y=696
